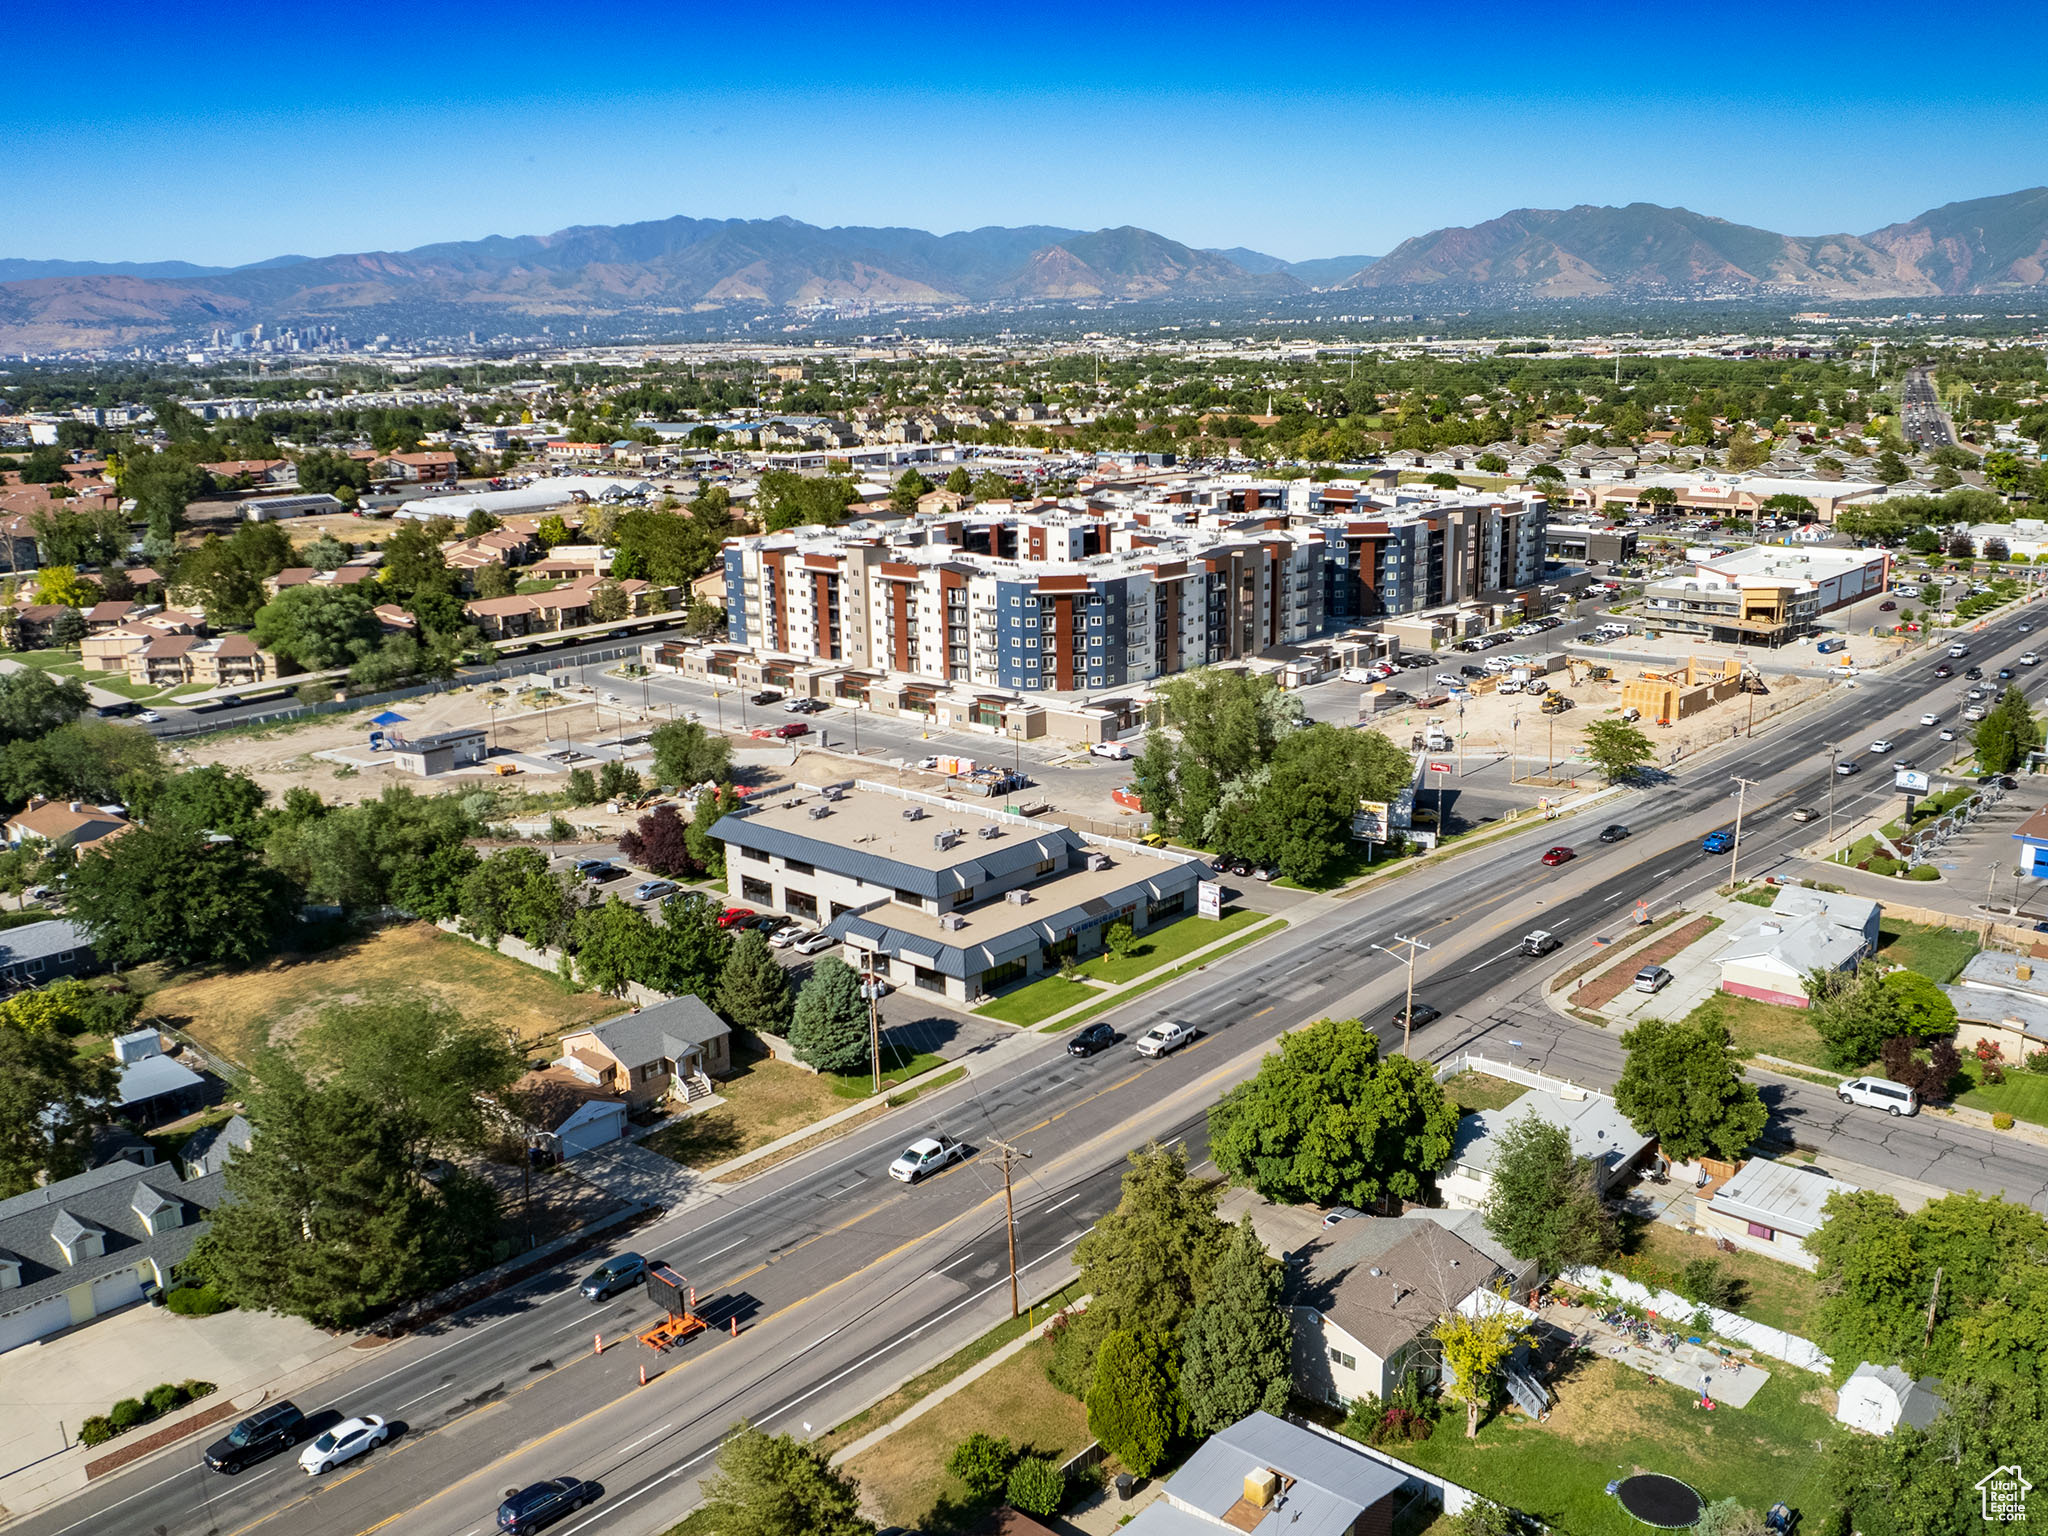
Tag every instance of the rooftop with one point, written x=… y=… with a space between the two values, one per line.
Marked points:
x=1389 y=1297
x=1597 y=1129
x=1325 y=1484
x=1783 y=1196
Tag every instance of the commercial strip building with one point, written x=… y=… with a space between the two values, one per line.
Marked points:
x=944 y=897
x=1765 y=595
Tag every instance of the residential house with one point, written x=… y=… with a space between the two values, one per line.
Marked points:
x=101 y=617
x=109 y=649
x=35 y=620
x=642 y=597
x=305 y=576
x=36 y=953
x=1803 y=931
x=672 y=1049
x=63 y=824
x=565 y=1115
x=1366 y=1299
x=153 y=1087
x=1265 y=1476
x=501 y=546
x=503 y=618
x=1598 y=1131
x=394 y=620
x=82 y=1247
x=1769 y=1208
x=2002 y=998
x=432 y=467
x=254 y=472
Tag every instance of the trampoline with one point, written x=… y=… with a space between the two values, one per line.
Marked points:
x=1658 y=1500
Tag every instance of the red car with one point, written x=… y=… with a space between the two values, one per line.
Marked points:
x=734 y=917
x=1559 y=855
x=794 y=728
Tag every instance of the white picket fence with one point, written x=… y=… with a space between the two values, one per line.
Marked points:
x=1775 y=1342
x=1470 y=1063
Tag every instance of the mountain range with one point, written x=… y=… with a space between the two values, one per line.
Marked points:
x=646 y=273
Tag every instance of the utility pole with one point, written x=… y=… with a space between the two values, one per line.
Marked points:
x=1832 y=754
x=867 y=977
x=1408 y=1014
x=1741 y=794
x=1010 y=1214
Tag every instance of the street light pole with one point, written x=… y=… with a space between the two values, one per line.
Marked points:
x=1408 y=1013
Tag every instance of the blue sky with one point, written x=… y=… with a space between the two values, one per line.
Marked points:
x=236 y=131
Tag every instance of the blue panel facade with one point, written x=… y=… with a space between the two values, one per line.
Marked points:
x=735 y=599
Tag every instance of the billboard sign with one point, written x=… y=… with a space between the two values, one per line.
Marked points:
x=1369 y=823
x=1209 y=898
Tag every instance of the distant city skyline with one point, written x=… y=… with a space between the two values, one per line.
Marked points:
x=1311 y=134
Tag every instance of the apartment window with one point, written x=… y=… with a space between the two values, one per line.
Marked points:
x=1030 y=602
x=756 y=890
x=1031 y=623
x=1338 y=1357
x=1014 y=601
x=799 y=866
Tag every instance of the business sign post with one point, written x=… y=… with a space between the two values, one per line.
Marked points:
x=1912 y=783
x=1439 y=770
x=1209 y=898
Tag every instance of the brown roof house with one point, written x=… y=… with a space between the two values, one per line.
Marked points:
x=68 y=824
x=671 y=1050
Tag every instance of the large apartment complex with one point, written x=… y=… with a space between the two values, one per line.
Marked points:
x=1073 y=596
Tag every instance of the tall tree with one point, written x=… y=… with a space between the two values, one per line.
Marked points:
x=686 y=754
x=317 y=628
x=829 y=1027
x=2007 y=733
x=209 y=799
x=514 y=891
x=169 y=894
x=34 y=703
x=754 y=991
x=1236 y=1347
x=615 y=946
x=1683 y=1085
x=1543 y=1203
x=659 y=841
x=1617 y=749
x=93 y=760
x=1132 y=1406
x=778 y=1485
x=50 y=1098
x=1147 y=1261
x=423 y=1064
x=1327 y=1121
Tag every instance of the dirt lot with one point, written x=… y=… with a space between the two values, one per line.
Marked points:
x=235 y=1014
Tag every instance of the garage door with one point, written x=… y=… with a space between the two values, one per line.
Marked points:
x=607 y=1126
x=116 y=1290
x=31 y=1323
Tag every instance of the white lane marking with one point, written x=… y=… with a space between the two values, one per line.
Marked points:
x=423 y=1397
x=647 y=1437
x=1482 y=965
x=1077 y=1194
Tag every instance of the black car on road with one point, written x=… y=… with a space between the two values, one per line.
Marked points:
x=1096 y=1037
x=1614 y=833
x=1424 y=1014
x=262 y=1434
x=539 y=1504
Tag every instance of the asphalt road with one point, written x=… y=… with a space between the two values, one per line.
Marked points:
x=1925 y=424
x=844 y=1283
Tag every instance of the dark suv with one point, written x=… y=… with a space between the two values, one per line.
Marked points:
x=263 y=1433
x=540 y=1504
x=1096 y=1037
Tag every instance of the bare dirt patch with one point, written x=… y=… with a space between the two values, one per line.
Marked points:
x=235 y=1013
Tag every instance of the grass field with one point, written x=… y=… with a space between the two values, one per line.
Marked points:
x=1163 y=946
x=1472 y=1091
x=906 y=1474
x=898 y=1066
x=1037 y=1001
x=2023 y=1094
x=1610 y=1422
x=1936 y=953
x=1767 y=1029
x=1777 y=1295
x=764 y=1099
x=235 y=1013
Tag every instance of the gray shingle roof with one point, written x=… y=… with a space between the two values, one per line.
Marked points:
x=980 y=863
x=666 y=1030
x=208 y=1150
x=104 y=1198
x=41 y=941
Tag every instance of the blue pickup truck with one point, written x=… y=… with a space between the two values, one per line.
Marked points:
x=1718 y=842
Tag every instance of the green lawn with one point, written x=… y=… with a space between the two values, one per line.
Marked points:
x=1160 y=978
x=1037 y=1001
x=1936 y=953
x=1610 y=1422
x=898 y=1066
x=2023 y=1094
x=1358 y=859
x=1162 y=946
x=1774 y=1293
x=1764 y=1029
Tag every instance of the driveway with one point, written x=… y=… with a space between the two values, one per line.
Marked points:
x=49 y=1388
x=625 y=1170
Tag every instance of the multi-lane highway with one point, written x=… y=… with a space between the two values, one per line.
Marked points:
x=1923 y=422
x=843 y=1282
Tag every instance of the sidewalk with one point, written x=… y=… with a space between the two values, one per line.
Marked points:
x=1113 y=995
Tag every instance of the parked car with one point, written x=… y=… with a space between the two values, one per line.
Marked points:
x=1424 y=1014
x=654 y=890
x=1115 y=751
x=150 y=717
x=1165 y=1039
x=1096 y=1037
x=770 y=923
x=783 y=937
x=926 y=1156
x=736 y=917
x=541 y=1504
x=812 y=943
x=1653 y=978
x=615 y=1274
x=1880 y=1093
x=1887 y=606
x=345 y=1442
x=1559 y=855
x=1613 y=833
x=1339 y=1213
x=261 y=1435
x=1718 y=842
x=796 y=706
x=765 y=696
x=598 y=871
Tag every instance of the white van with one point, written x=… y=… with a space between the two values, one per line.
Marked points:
x=1880 y=1093
x=1653 y=978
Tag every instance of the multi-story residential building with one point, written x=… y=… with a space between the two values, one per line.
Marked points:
x=1143 y=582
